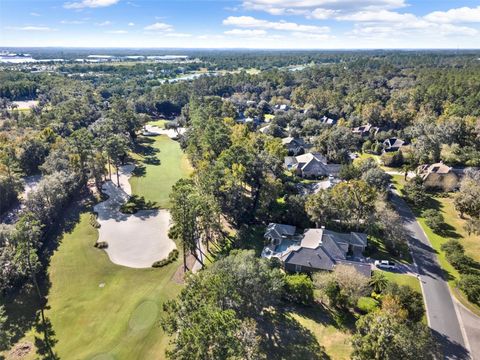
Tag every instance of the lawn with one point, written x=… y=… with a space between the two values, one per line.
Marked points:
x=158 y=123
x=160 y=164
x=403 y=279
x=97 y=307
x=99 y=310
x=335 y=339
x=381 y=252
x=455 y=230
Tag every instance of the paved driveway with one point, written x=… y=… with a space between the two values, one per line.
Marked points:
x=441 y=311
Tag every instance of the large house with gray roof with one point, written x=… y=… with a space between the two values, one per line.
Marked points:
x=315 y=249
x=311 y=165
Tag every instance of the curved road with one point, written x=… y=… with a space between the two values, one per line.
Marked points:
x=441 y=310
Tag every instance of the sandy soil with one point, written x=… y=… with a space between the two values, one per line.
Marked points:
x=171 y=133
x=136 y=240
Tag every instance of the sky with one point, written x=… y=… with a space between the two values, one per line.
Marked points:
x=259 y=24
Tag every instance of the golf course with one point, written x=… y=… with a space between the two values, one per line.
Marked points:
x=117 y=308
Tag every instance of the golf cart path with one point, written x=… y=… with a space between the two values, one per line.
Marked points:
x=136 y=240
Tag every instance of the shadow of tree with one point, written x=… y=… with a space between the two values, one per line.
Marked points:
x=283 y=337
x=450 y=349
x=140 y=170
x=144 y=147
x=41 y=343
x=151 y=160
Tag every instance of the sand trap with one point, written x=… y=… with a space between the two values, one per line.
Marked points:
x=171 y=133
x=136 y=240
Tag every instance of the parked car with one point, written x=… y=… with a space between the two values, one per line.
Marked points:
x=385 y=264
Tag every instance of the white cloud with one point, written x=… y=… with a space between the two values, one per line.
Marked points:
x=72 y=22
x=378 y=16
x=34 y=14
x=104 y=23
x=251 y=22
x=31 y=28
x=116 y=32
x=158 y=26
x=323 y=14
x=131 y=24
x=89 y=4
x=459 y=15
x=281 y=7
x=178 y=35
x=245 y=32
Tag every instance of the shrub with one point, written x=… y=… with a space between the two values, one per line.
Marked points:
x=415 y=193
x=461 y=262
x=434 y=220
x=101 y=245
x=136 y=203
x=470 y=285
x=94 y=222
x=299 y=289
x=173 y=256
x=452 y=246
x=367 y=304
x=408 y=299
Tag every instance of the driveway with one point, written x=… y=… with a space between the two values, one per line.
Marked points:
x=441 y=310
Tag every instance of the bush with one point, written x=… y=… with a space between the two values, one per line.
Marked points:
x=299 y=289
x=434 y=220
x=101 y=245
x=415 y=193
x=367 y=304
x=173 y=256
x=470 y=285
x=408 y=299
x=94 y=222
x=394 y=159
x=136 y=203
x=452 y=246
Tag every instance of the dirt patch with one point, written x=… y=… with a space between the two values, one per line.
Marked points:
x=20 y=351
x=179 y=276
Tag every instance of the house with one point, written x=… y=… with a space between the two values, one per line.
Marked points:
x=311 y=165
x=365 y=130
x=393 y=144
x=282 y=107
x=438 y=176
x=315 y=249
x=327 y=121
x=294 y=145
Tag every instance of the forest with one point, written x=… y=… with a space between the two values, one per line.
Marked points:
x=89 y=119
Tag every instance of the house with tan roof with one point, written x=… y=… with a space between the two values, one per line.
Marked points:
x=438 y=176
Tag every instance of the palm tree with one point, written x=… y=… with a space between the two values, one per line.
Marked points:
x=378 y=282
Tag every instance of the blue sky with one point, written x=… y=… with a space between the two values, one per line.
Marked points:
x=321 y=24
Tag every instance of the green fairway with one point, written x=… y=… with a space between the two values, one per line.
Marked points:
x=102 y=310
x=160 y=164
x=158 y=123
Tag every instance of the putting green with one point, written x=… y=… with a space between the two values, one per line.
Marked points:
x=144 y=316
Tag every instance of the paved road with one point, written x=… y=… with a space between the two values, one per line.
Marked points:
x=441 y=311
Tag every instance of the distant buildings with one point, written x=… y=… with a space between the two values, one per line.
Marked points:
x=315 y=249
x=393 y=144
x=365 y=130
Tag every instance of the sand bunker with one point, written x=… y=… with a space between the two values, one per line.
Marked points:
x=136 y=240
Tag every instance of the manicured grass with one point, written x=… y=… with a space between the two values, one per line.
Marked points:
x=158 y=123
x=381 y=252
x=335 y=340
x=97 y=307
x=160 y=164
x=398 y=181
x=454 y=230
x=403 y=279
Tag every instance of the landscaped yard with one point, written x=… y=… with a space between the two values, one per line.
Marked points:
x=403 y=279
x=455 y=230
x=160 y=164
